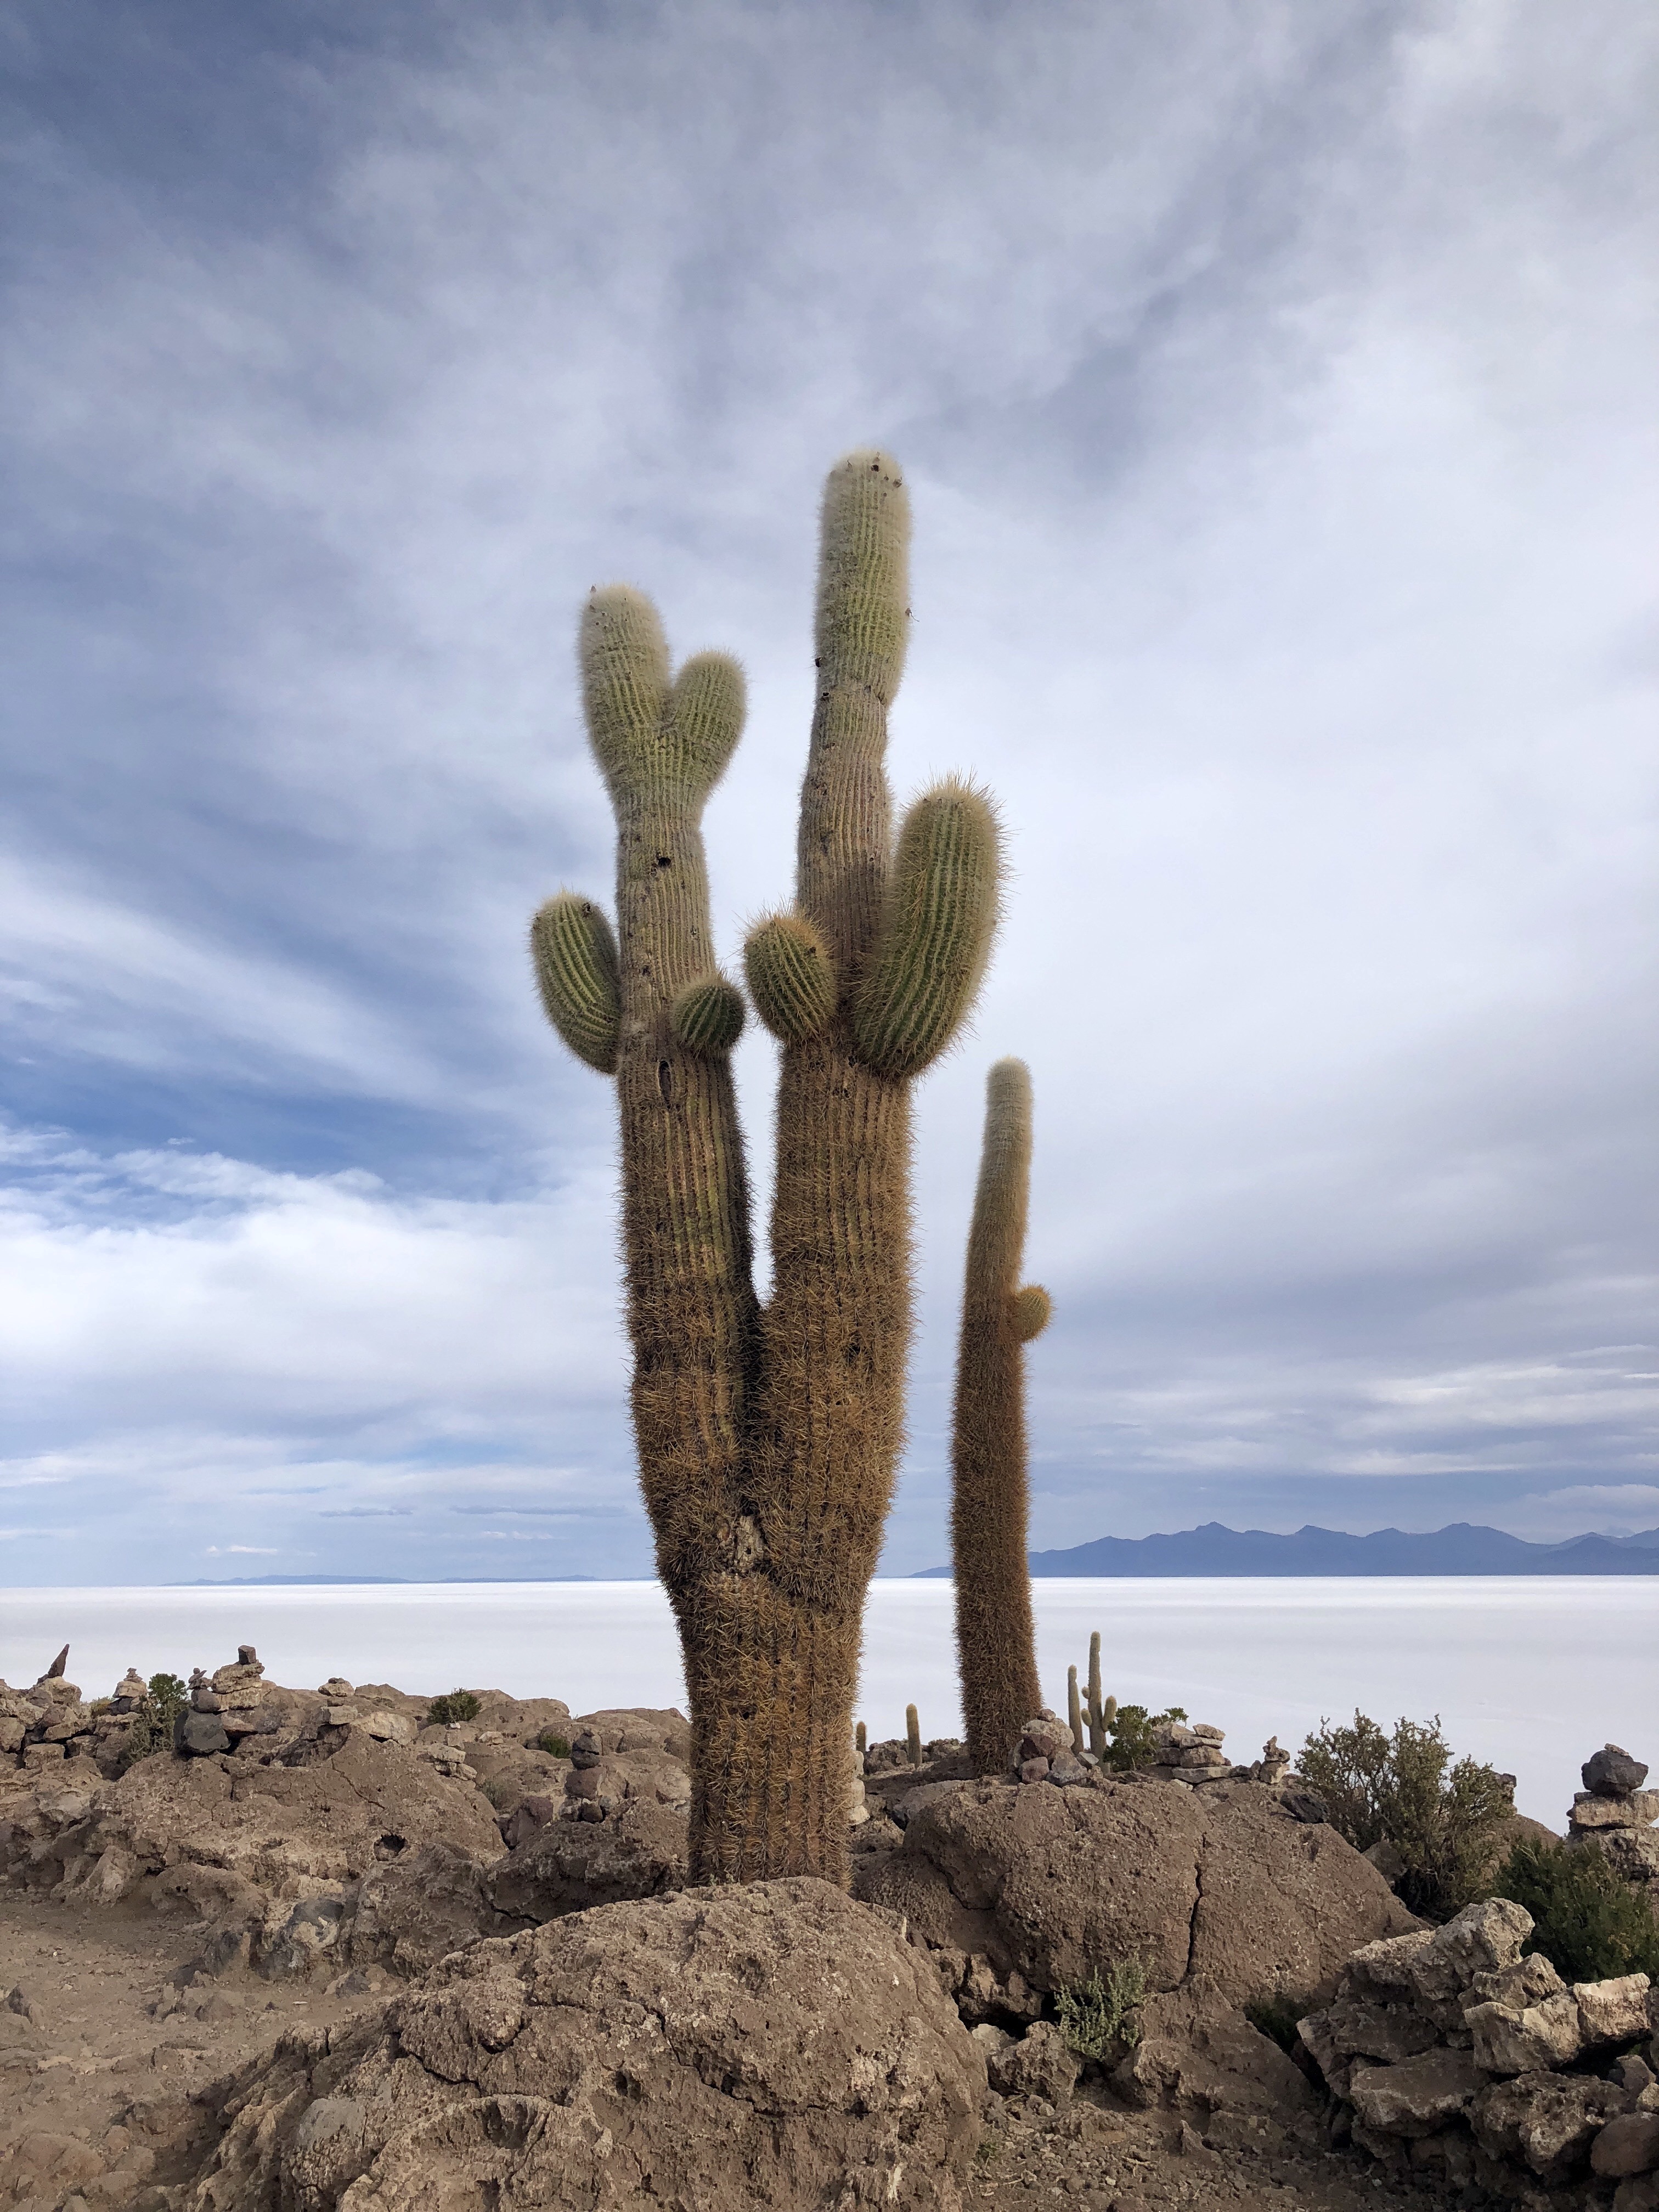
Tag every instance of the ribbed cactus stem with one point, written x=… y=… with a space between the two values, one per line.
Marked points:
x=767 y=1441
x=1073 y=1707
x=913 y=1735
x=936 y=931
x=860 y=1739
x=995 y=1639
x=1107 y=1718
x=1097 y=1719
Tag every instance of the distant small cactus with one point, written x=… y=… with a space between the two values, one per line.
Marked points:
x=1073 y=1706
x=912 y=1735
x=860 y=1739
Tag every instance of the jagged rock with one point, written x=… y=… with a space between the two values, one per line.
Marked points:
x=1508 y=2040
x=730 y=2047
x=199 y=1734
x=1419 y=2096
x=1546 y=2121
x=1350 y=2029
x=1612 y=1772
x=1040 y=2064
x=415 y=1908
x=1044 y=1737
x=567 y=1866
x=1612 y=2011
x=1305 y=1805
x=1197 y=2054
x=1628 y=2144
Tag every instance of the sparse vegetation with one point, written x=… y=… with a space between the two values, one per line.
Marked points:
x=458 y=1706
x=1132 y=1736
x=152 y=1724
x=1587 y=1923
x=1097 y=2017
x=555 y=1745
x=1444 y=1819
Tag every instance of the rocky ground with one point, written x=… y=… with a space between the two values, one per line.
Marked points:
x=247 y=1975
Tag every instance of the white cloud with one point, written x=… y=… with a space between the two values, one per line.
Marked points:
x=1275 y=391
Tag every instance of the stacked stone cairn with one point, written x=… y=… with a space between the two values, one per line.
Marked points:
x=1474 y=2069
x=1614 y=1810
x=42 y=1726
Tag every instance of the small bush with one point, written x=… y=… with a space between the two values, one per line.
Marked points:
x=556 y=1746
x=1588 y=1923
x=1444 y=1825
x=458 y=1706
x=152 y=1724
x=1097 y=2017
x=1276 y=2016
x=1132 y=1740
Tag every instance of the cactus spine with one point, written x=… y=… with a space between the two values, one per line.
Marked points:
x=995 y=1640
x=768 y=1440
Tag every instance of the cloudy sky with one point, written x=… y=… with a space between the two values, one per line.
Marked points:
x=1273 y=382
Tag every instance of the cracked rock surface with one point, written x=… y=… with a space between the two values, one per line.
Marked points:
x=775 y=2046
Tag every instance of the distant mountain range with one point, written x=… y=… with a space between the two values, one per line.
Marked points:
x=1460 y=1549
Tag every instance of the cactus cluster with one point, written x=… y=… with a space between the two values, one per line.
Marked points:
x=768 y=1436
x=995 y=1640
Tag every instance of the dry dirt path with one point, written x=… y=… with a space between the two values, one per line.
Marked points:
x=95 y=2076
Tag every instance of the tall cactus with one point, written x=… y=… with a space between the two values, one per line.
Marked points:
x=768 y=1436
x=995 y=1640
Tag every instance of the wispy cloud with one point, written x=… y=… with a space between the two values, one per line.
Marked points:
x=1276 y=396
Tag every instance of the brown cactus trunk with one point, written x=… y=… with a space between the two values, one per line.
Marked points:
x=768 y=1442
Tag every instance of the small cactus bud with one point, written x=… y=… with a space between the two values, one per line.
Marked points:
x=708 y=1016
x=791 y=976
x=1031 y=1311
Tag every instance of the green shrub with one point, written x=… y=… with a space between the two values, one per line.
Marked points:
x=1588 y=1924
x=1445 y=1825
x=152 y=1724
x=458 y=1706
x=1097 y=2017
x=1276 y=2016
x=1132 y=1740
x=556 y=1746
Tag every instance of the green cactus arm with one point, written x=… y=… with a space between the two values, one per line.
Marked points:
x=708 y=1016
x=1031 y=1310
x=706 y=712
x=941 y=914
x=574 y=951
x=791 y=977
